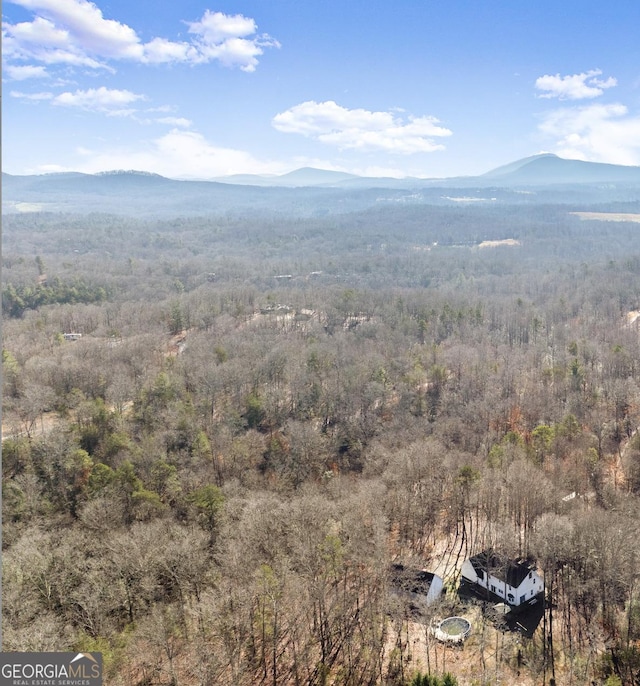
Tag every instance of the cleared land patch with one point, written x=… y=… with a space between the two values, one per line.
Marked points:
x=632 y=317
x=608 y=216
x=495 y=244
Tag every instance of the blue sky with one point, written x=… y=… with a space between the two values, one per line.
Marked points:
x=201 y=89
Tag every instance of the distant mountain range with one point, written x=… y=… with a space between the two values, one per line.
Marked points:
x=316 y=192
x=541 y=170
x=307 y=176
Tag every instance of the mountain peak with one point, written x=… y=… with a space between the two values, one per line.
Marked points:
x=310 y=176
x=548 y=169
x=518 y=164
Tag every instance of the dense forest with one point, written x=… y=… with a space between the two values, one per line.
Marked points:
x=265 y=411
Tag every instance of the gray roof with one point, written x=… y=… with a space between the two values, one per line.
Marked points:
x=514 y=572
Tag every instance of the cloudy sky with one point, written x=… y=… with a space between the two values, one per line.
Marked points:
x=201 y=89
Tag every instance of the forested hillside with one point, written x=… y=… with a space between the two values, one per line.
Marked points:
x=264 y=412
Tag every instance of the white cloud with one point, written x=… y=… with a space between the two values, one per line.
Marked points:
x=87 y=27
x=100 y=99
x=175 y=121
x=235 y=52
x=163 y=51
x=39 y=32
x=597 y=133
x=189 y=155
x=41 y=41
x=196 y=157
x=582 y=86
x=75 y=32
x=177 y=154
x=34 y=97
x=112 y=102
x=224 y=38
x=25 y=71
x=52 y=169
x=216 y=27
x=360 y=129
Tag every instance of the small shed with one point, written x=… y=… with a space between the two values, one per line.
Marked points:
x=419 y=586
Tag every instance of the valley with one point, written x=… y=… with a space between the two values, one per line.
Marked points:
x=279 y=393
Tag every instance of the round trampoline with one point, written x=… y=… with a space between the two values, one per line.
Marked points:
x=452 y=630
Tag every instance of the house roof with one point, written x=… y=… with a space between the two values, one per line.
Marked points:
x=514 y=572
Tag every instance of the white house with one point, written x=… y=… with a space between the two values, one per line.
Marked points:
x=517 y=582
